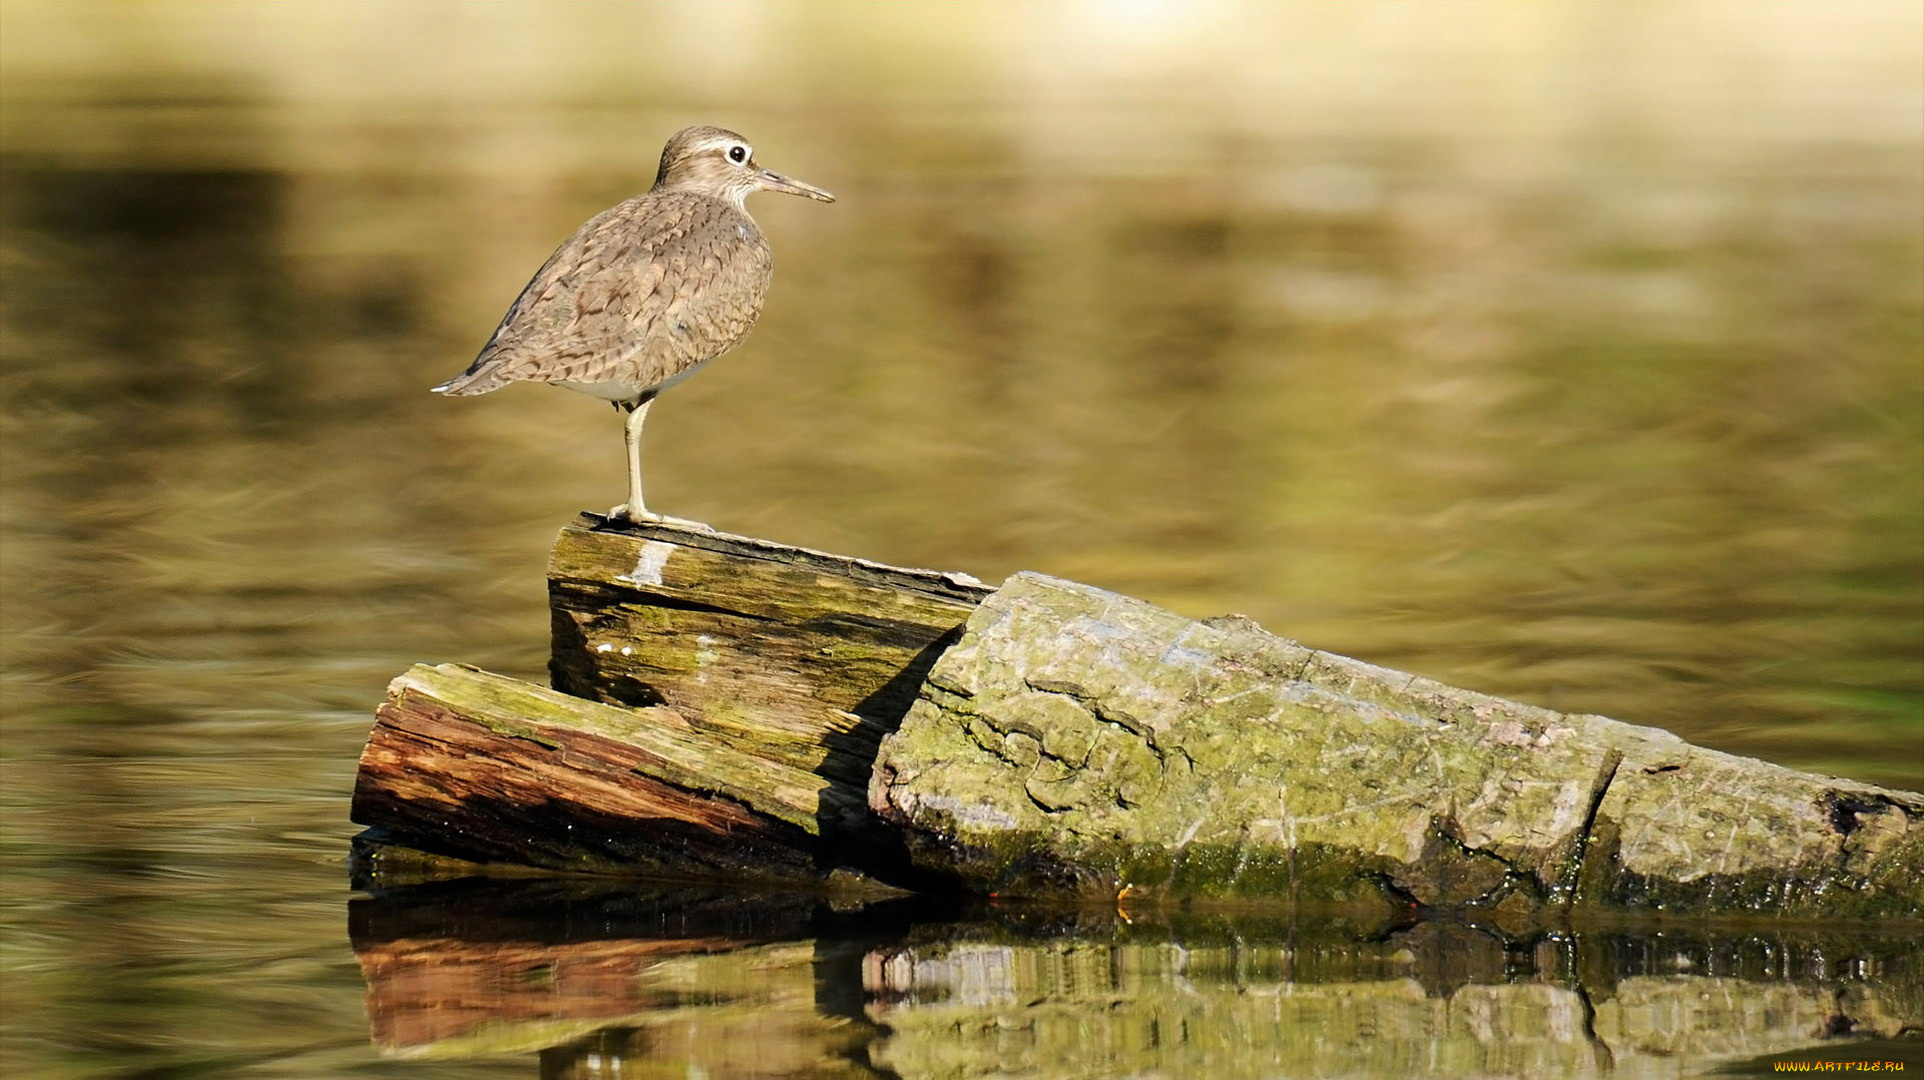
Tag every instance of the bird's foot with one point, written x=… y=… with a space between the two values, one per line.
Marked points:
x=622 y=514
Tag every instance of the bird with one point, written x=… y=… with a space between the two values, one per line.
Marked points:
x=644 y=293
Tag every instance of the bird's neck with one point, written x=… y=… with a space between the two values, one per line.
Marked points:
x=735 y=197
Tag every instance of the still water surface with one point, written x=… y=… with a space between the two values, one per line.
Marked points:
x=1569 y=353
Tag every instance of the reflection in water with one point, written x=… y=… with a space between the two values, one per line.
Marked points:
x=1566 y=352
x=609 y=981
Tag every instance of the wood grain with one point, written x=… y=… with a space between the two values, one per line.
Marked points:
x=791 y=655
x=486 y=767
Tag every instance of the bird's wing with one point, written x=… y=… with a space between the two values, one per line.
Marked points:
x=641 y=292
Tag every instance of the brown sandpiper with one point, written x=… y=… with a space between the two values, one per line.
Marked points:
x=645 y=293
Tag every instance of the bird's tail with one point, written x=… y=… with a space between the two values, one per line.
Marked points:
x=478 y=379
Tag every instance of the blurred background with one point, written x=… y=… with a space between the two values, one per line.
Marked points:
x=1568 y=352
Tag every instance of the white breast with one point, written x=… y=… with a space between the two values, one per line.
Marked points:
x=607 y=390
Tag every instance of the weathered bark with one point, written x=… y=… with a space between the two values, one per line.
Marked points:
x=792 y=655
x=487 y=767
x=739 y=690
x=1076 y=740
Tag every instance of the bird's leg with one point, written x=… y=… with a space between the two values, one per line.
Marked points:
x=635 y=509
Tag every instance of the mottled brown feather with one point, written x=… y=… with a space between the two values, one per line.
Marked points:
x=643 y=292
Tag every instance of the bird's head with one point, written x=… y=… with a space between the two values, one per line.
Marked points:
x=719 y=163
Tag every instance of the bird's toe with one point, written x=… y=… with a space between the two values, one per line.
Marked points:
x=624 y=515
x=682 y=523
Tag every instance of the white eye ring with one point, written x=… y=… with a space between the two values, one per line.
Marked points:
x=738 y=153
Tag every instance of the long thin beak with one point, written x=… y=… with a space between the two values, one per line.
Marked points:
x=774 y=181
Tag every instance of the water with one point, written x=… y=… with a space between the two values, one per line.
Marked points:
x=1569 y=353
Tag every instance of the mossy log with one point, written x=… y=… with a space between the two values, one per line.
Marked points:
x=727 y=707
x=1077 y=740
x=484 y=767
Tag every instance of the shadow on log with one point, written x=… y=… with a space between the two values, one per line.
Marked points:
x=727 y=708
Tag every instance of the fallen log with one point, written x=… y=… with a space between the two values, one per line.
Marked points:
x=1076 y=740
x=726 y=707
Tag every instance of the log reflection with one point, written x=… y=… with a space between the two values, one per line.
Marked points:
x=605 y=979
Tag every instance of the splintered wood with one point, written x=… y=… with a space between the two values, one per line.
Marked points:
x=489 y=767
x=793 y=655
x=718 y=702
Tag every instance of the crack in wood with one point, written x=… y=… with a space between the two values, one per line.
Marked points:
x=1565 y=890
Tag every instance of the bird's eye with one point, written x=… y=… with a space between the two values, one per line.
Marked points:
x=738 y=153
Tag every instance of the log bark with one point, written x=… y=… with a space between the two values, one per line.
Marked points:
x=728 y=708
x=1076 y=740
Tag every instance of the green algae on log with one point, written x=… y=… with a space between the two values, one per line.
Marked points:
x=1076 y=741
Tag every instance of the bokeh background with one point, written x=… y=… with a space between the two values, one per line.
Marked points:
x=1568 y=352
